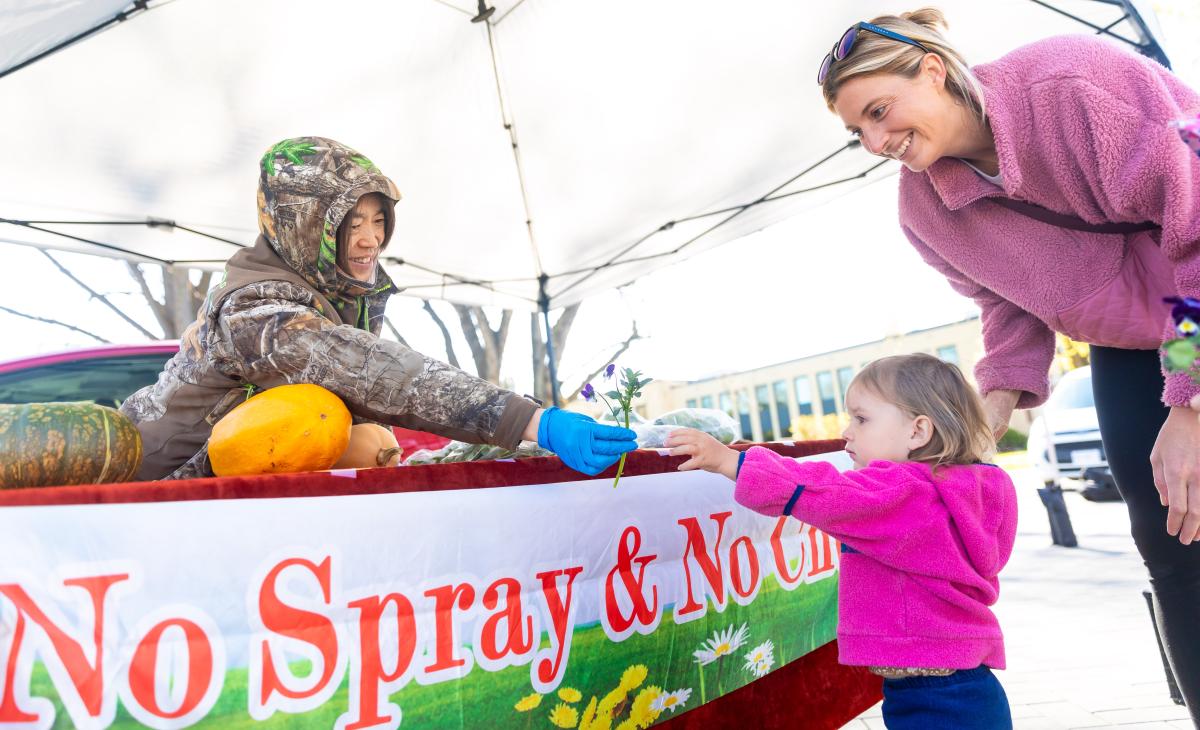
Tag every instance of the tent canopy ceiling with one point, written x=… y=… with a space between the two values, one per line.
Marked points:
x=587 y=142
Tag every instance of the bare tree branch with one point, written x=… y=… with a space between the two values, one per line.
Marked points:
x=101 y=297
x=55 y=322
x=396 y=332
x=450 y=356
x=611 y=358
x=562 y=327
x=200 y=293
x=501 y=335
x=160 y=311
x=560 y=330
x=471 y=320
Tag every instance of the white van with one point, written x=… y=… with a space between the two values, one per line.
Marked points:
x=1064 y=440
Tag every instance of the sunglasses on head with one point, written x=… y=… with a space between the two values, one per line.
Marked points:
x=842 y=48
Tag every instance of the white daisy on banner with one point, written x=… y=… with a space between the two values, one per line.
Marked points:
x=671 y=700
x=722 y=643
x=760 y=659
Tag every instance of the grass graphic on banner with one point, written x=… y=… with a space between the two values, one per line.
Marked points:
x=595 y=668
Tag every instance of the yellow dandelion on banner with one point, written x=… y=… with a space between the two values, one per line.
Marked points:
x=633 y=677
x=627 y=725
x=568 y=694
x=643 y=713
x=589 y=714
x=603 y=721
x=564 y=716
x=609 y=702
x=525 y=704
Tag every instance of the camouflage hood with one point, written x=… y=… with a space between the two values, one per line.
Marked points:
x=306 y=187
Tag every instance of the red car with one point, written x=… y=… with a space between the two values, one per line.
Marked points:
x=108 y=374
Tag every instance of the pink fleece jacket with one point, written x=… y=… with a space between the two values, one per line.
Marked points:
x=1081 y=128
x=920 y=554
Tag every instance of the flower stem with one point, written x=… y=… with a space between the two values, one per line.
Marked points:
x=621 y=463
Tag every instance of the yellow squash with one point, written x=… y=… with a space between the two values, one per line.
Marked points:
x=286 y=429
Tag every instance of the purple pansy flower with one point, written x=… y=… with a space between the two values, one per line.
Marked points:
x=608 y=371
x=588 y=392
x=1186 y=313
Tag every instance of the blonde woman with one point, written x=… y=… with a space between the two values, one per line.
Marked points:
x=1050 y=187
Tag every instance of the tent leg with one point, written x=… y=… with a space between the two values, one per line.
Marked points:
x=544 y=304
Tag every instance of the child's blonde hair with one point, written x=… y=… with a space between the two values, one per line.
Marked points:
x=923 y=385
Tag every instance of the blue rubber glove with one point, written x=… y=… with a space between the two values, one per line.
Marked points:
x=581 y=443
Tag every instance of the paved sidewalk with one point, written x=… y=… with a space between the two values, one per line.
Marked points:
x=1081 y=650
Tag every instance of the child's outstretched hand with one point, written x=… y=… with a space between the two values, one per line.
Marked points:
x=706 y=452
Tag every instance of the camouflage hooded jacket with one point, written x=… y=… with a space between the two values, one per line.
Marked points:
x=285 y=313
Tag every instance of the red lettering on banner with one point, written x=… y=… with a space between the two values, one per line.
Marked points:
x=86 y=677
x=710 y=566
x=642 y=616
x=445 y=598
x=143 y=668
x=547 y=671
x=9 y=711
x=372 y=677
x=750 y=587
x=786 y=579
x=822 y=558
x=295 y=623
x=518 y=633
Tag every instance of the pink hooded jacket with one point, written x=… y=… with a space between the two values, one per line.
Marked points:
x=1081 y=128
x=920 y=554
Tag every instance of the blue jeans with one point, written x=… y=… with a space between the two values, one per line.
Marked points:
x=969 y=699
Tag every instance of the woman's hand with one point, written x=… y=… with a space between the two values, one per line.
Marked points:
x=999 y=405
x=706 y=452
x=1175 y=460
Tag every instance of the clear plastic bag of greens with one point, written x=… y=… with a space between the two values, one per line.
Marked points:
x=608 y=418
x=651 y=436
x=460 y=451
x=716 y=423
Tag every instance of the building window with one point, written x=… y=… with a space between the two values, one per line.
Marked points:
x=706 y=401
x=743 y=402
x=804 y=401
x=764 y=412
x=726 y=403
x=691 y=402
x=781 y=409
x=844 y=376
x=949 y=353
x=825 y=389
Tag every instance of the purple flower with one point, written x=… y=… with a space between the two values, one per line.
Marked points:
x=1186 y=313
x=588 y=392
x=608 y=371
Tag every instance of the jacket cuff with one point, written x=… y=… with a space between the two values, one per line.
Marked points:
x=1034 y=384
x=1178 y=389
x=514 y=419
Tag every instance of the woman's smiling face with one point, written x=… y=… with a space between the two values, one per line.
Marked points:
x=911 y=120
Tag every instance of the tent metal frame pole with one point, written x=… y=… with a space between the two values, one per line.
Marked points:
x=1146 y=44
x=139 y=6
x=544 y=305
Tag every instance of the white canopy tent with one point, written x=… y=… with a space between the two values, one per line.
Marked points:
x=546 y=149
x=556 y=149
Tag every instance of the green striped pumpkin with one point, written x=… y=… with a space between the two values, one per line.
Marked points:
x=53 y=444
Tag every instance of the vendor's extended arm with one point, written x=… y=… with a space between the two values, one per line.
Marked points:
x=268 y=335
